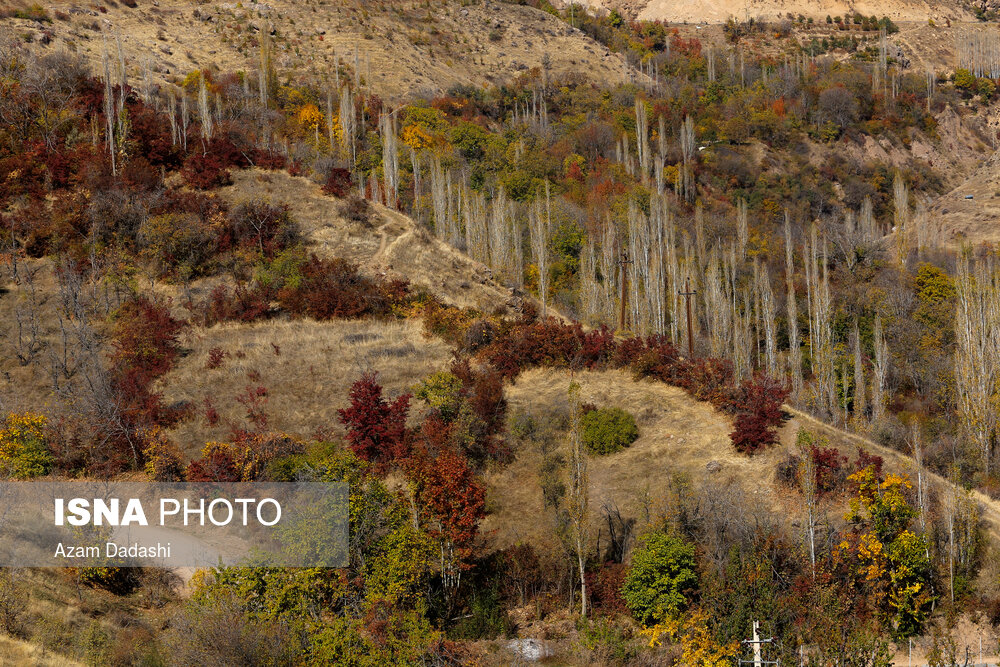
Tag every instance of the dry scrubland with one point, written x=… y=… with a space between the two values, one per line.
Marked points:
x=403 y=46
x=679 y=437
x=307 y=368
x=17 y=653
x=391 y=244
x=719 y=10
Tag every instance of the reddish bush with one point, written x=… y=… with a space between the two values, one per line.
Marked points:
x=828 y=464
x=269 y=160
x=216 y=465
x=205 y=171
x=138 y=174
x=865 y=459
x=604 y=587
x=215 y=357
x=598 y=348
x=334 y=289
x=709 y=379
x=538 y=343
x=450 y=501
x=151 y=133
x=144 y=342
x=757 y=404
x=208 y=165
x=254 y=399
x=376 y=428
x=211 y=414
x=244 y=304
x=483 y=390
x=259 y=226
x=125 y=409
x=338 y=183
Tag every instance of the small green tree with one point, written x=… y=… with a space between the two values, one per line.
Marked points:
x=442 y=391
x=24 y=452
x=965 y=80
x=608 y=430
x=661 y=578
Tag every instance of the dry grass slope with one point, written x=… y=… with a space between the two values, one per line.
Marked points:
x=677 y=435
x=403 y=46
x=715 y=11
x=392 y=245
x=307 y=367
x=17 y=653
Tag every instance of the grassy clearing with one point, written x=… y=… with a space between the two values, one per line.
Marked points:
x=306 y=366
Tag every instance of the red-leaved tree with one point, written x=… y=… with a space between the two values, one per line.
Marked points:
x=757 y=404
x=450 y=503
x=376 y=428
x=144 y=347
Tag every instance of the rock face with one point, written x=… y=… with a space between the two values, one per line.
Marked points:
x=531 y=650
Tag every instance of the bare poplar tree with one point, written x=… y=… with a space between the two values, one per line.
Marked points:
x=916 y=445
x=977 y=365
x=390 y=159
x=348 y=124
x=807 y=480
x=329 y=120
x=860 y=387
x=172 y=112
x=579 y=493
x=820 y=330
x=642 y=138
x=901 y=218
x=204 y=113
x=794 y=349
x=687 y=153
x=185 y=119
x=110 y=112
x=590 y=291
x=539 y=231
x=766 y=309
x=880 y=373
x=742 y=227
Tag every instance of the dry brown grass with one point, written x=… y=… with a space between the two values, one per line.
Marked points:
x=407 y=46
x=677 y=435
x=17 y=653
x=394 y=245
x=306 y=366
x=678 y=438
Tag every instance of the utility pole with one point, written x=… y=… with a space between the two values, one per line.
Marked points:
x=756 y=646
x=687 y=294
x=623 y=263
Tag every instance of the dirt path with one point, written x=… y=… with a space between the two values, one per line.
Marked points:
x=990 y=507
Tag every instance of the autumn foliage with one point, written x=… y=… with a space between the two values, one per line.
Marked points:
x=376 y=428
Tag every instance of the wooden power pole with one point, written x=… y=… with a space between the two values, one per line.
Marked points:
x=687 y=294
x=623 y=263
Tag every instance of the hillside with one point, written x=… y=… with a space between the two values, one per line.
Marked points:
x=625 y=335
x=718 y=11
x=387 y=243
x=397 y=48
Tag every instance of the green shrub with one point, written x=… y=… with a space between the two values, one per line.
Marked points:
x=442 y=391
x=661 y=578
x=608 y=430
x=964 y=79
x=24 y=452
x=608 y=643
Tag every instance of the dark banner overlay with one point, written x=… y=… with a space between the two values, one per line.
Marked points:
x=137 y=524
